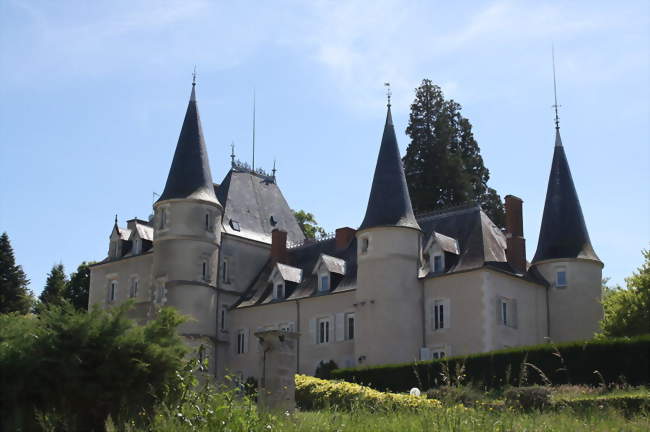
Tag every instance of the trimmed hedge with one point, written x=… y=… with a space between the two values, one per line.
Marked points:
x=315 y=393
x=628 y=404
x=616 y=360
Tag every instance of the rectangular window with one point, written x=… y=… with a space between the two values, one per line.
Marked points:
x=163 y=219
x=365 y=242
x=439 y=315
x=324 y=283
x=324 y=325
x=225 y=277
x=437 y=264
x=286 y=327
x=133 y=292
x=241 y=342
x=113 y=291
x=438 y=354
x=222 y=318
x=204 y=271
x=560 y=278
x=207 y=221
x=279 y=291
x=349 y=326
x=508 y=312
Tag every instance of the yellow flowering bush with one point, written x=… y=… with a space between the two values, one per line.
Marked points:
x=315 y=393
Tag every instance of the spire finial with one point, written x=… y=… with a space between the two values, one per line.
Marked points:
x=194 y=77
x=388 y=92
x=253 y=129
x=116 y=219
x=274 y=170
x=232 y=154
x=555 y=106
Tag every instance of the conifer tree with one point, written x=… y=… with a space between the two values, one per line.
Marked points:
x=14 y=294
x=54 y=290
x=78 y=287
x=443 y=163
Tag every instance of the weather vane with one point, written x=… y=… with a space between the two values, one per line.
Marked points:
x=194 y=76
x=232 y=154
x=388 y=92
x=555 y=106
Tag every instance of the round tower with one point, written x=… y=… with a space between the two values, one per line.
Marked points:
x=566 y=259
x=388 y=293
x=187 y=235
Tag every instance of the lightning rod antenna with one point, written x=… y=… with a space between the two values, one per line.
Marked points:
x=555 y=106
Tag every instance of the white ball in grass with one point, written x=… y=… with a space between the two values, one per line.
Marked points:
x=415 y=391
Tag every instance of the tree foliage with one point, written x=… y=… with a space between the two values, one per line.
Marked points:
x=443 y=162
x=14 y=294
x=627 y=311
x=78 y=287
x=308 y=224
x=55 y=286
x=85 y=366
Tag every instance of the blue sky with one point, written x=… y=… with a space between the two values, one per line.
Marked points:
x=92 y=97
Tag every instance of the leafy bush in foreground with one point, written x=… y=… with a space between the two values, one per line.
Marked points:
x=81 y=367
x=315 y=393
x=528 y=398
x=592 y=362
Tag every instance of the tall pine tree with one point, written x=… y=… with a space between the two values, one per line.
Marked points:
x=78 y=287
x=14 y=294
x=443 y=163
x=54 y=290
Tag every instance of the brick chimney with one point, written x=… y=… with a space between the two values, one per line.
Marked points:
x=279 y=245
x=344 y=236
x=516 y=244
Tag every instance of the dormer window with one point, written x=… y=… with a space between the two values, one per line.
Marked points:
x=438 y=263
x=324 y=283
x=279 y=291
x=137 y=246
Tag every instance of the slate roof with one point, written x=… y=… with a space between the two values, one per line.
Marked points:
x=389 y=203
x=189 y=175
x=144 y=231
x=305 y=258
x=255 y=205
x=289 y=273
x=333 y=264
x=563 y=233
x=446 y=243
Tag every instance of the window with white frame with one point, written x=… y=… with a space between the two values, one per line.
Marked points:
x=365 y=244
x=441 y=314
x=242 y=342
x=438 y=353
x=507 y=312
x=323 y=327
x=112 y=291
x=324 y=282
x=225 y=275
x=349 y=326
x=133 y=290
x=286 y=327
x=561 y=277
x=438 y=263
x=222 y=318
x=278 y=292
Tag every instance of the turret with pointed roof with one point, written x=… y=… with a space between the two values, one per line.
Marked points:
x=563 y=233
x=189 y=175
x=389 y=203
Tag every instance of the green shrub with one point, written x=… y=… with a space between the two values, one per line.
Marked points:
x=573 y=363
x=454 y=395
x=324 y=370
x=315 y=393
x=627 y=404
x=81 y=367
x=528 y=398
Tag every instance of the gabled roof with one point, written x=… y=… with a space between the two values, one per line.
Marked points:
x=332 y=264
x=563 y=233
x=189 y=175
x=254 y=206
x=446 y=243
x=389 y=203
x=287 y=273
x=305 y=258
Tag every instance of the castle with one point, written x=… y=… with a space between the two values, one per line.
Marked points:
x=398 y=288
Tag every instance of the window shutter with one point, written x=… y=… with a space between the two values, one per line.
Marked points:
x=246 y=338
x=312 y=331
x=498 y=309
x=339 y=324
x=331 y=329
x=425 y=354
x=513 y=314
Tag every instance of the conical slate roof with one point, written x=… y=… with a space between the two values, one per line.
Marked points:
x=389 y=203
x=189 y=175
x=563 y=233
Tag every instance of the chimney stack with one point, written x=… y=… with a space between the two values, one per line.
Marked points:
x=343 y=237
x=279 y=245
x=516 y=244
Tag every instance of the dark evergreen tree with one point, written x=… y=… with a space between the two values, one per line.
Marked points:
x=14 y=294
x=78 y=287
x=54 y=290
x=443 y=162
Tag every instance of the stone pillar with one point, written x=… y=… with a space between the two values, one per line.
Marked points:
x=277 y=360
